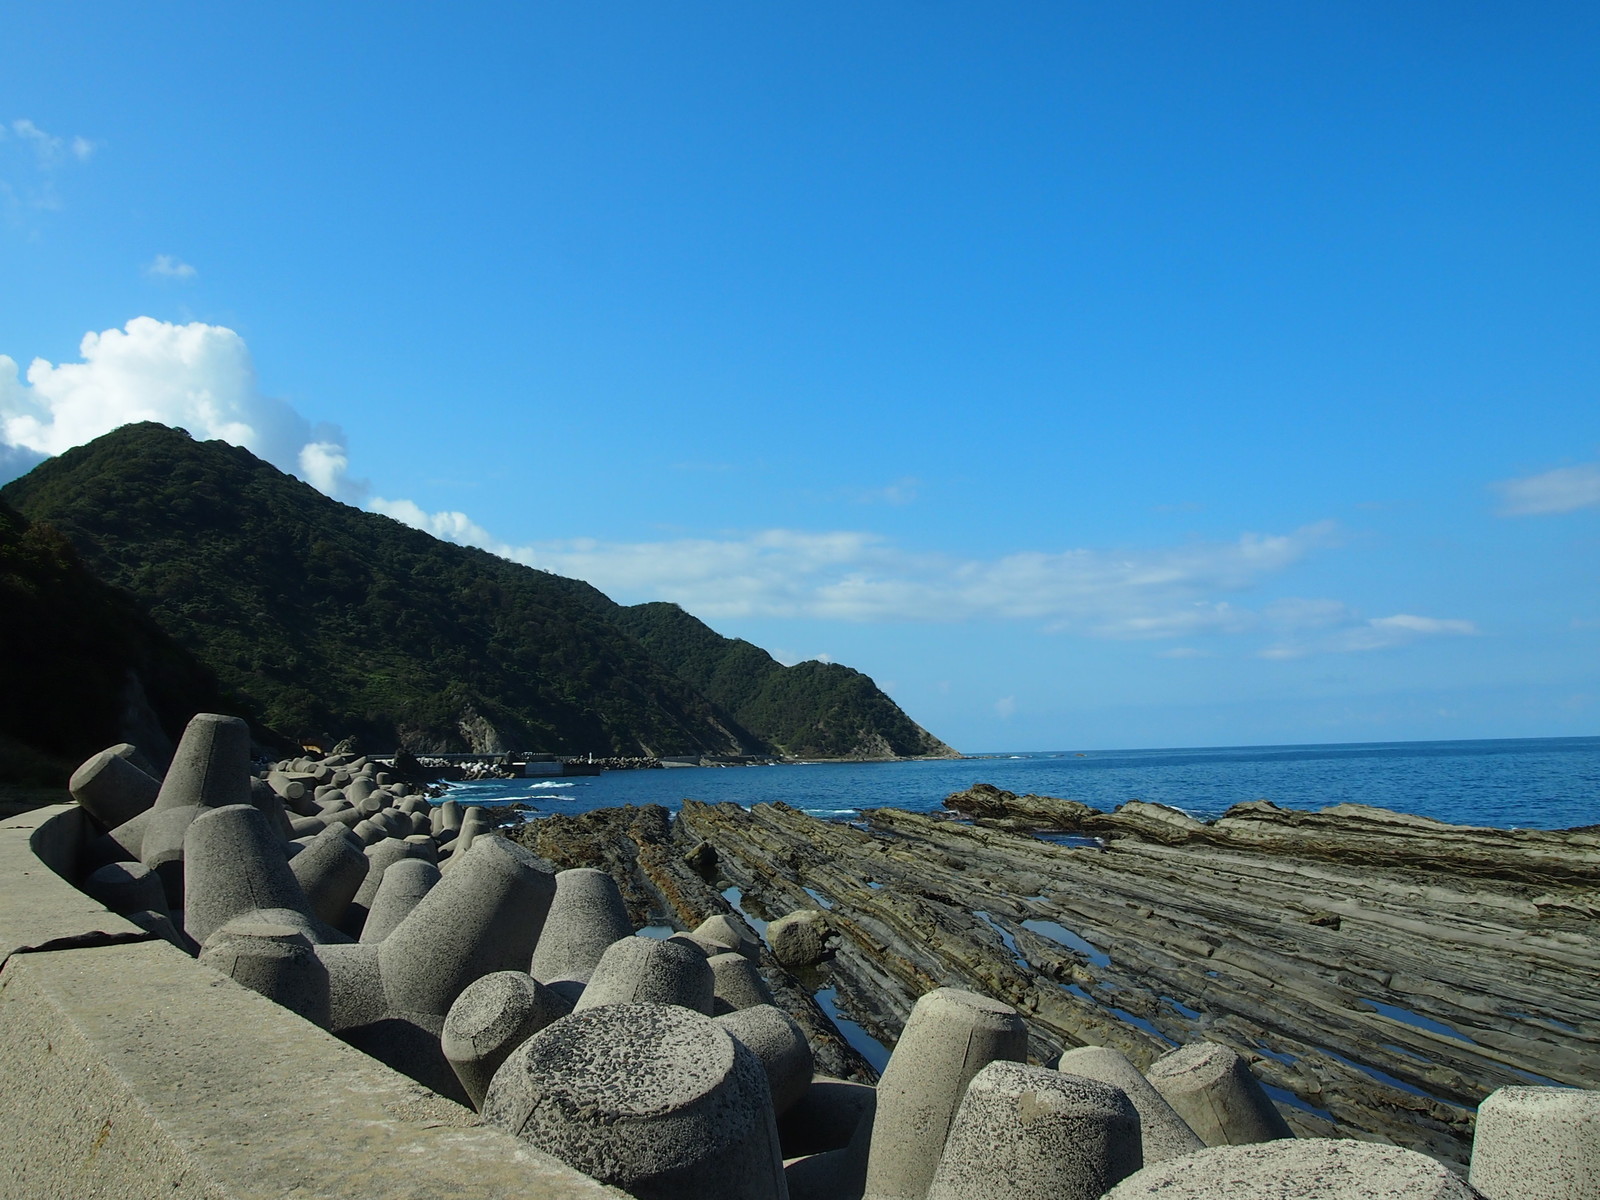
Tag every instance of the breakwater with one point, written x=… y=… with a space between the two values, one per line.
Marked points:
x=671 y=1067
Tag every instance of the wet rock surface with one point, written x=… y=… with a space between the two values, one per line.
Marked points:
x=1379 y=988
x=649 y=855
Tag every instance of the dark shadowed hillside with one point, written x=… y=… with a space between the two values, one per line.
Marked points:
x=81 y=666
x=809 y=710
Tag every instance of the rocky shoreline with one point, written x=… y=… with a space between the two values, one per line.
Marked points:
x=1380 y=973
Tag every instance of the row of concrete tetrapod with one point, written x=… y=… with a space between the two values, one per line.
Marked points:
x=661 y=1066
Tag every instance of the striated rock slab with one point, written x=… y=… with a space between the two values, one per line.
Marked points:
x=1381 y=986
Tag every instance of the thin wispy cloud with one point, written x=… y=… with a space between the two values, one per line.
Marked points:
x=30 y=159
x=1355 y=635
x=901 y=492
x=165 y=266
x=201 y=377
x=1563 y=490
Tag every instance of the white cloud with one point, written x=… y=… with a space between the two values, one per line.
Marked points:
x=198 y=377
x=1564 y=489
x=201 y=377
x=450 y=526
x=1354 y=634
x=165 y=266
x=858 y=576
x=1005 y=707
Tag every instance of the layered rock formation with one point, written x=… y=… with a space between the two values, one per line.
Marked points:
x=1381 y=974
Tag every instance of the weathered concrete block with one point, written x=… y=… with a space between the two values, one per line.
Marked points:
x=404 y=885
x=161 y=846
x=127 y=888
x=1029 y=1133
x=211 y=766
x=381 y=855
x=233 y=865
x=270 y=805
x=1212 y=1089
x=727 y=931
x=800 y=938
x=490 y=1019
x=355 y=985
x=276 y=961
x=112 y=789
x=641 y=970
x=651 y=1098
x=586 y=916
x=736 y=983
x=1538 y=1143
x=774 y=1037
x=330 y=870
x=1164 y=1134
x=827 y=1117
x=1304 y=1169
x=485 y=916
x=950 y=1036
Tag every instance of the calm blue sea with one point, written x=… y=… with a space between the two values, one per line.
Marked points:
x=1529 y=783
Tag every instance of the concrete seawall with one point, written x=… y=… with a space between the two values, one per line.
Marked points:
x=129 y=1070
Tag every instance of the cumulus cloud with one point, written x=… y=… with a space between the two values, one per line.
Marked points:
x=198 y=377
x=1562 y=490
x=165 y=266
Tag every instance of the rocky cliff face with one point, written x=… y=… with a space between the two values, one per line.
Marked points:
x=1381 y=974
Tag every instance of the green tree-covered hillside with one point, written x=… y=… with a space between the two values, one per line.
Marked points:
x=809 y=710
x=329 y=621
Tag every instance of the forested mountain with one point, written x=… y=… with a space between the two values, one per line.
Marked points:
x=326 y=621
x=810 y=709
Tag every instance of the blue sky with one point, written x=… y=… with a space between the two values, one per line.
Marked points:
x=1091 y=376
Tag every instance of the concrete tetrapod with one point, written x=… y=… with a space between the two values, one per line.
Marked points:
x=586 y=916
x=1212 y=1089
x=234 y=864
x=1303 y=1169
x=1163 y=1133
x=112 y=788
x=950 y=1036
x=725 y=931
x=1537 y=1143
x=642 y=970
x=381 y=855
x=775 y=1038
x=489 y=1020
x=275 y=960
x=736 y=983
x=484 y=916
x=211 y=766
x=650 y=1098
x=211 y=769
x=330 y=871
x=127 y=888
x=1029 y=1133
x=404 y=885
